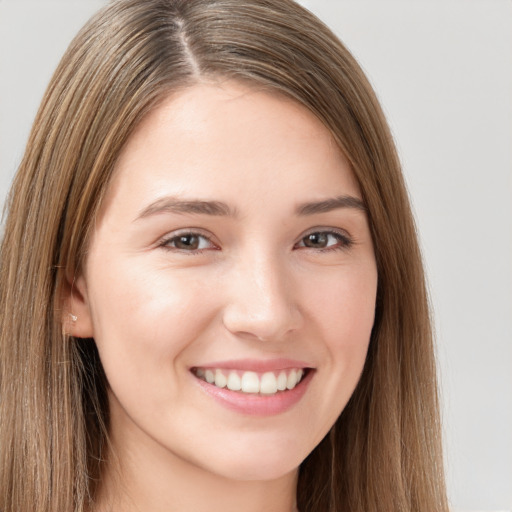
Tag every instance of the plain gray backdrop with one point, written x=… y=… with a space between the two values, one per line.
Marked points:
x=443 y=72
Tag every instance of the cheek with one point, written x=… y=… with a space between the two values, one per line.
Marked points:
x=345 y=307
x=344 y=314
x=341 y=315
x=145 y=317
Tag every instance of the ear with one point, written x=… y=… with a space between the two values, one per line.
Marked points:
x=76 y=312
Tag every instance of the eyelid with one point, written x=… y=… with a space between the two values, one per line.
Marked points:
x=347 y=239
x=163 y=241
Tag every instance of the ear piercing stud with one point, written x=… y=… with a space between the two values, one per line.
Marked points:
x=74 y=318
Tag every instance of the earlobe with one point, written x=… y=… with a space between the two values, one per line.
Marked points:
x=76 y=314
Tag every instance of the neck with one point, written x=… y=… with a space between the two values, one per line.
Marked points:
x=143 y=477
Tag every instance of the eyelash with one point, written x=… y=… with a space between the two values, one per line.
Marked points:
x=344 y=241
x=165 y=243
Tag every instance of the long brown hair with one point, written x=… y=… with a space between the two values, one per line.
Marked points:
x=384 y=452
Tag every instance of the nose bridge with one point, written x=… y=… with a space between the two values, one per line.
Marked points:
x=261 y=301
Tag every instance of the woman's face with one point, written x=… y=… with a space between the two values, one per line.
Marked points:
x=232 y=250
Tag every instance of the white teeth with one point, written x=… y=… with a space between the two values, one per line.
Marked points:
x=281 y=381
x=292 y=380
x=234 y=382
x=209 y=376
x=220 y=379
x=250 y=382
x=268 y=385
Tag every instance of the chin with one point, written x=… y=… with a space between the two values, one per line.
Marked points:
x=270 y=461
x=248 y=472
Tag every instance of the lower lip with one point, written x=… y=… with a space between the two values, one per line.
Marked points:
x=256 y=404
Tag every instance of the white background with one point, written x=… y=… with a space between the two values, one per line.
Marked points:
x=443 y=72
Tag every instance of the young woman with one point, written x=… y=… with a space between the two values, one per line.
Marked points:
x=212 y=296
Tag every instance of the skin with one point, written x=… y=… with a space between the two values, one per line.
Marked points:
x=253 y=289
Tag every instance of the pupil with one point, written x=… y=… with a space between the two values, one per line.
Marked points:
x=187 y=242
x=316 y=240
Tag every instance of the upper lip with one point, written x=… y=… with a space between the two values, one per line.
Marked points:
x=256 y=365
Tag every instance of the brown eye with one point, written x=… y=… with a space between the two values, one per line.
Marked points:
x=316 y=240
x=325 y=240
x=188 y=242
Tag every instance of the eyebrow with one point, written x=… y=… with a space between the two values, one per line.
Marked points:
x=328 y=205
x=187 y=206
x=220 y=209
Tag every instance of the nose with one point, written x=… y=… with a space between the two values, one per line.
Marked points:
x=261 y=302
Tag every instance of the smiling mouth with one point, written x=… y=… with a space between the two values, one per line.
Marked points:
x=267 y=383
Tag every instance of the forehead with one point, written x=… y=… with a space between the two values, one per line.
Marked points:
x=220 y=139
